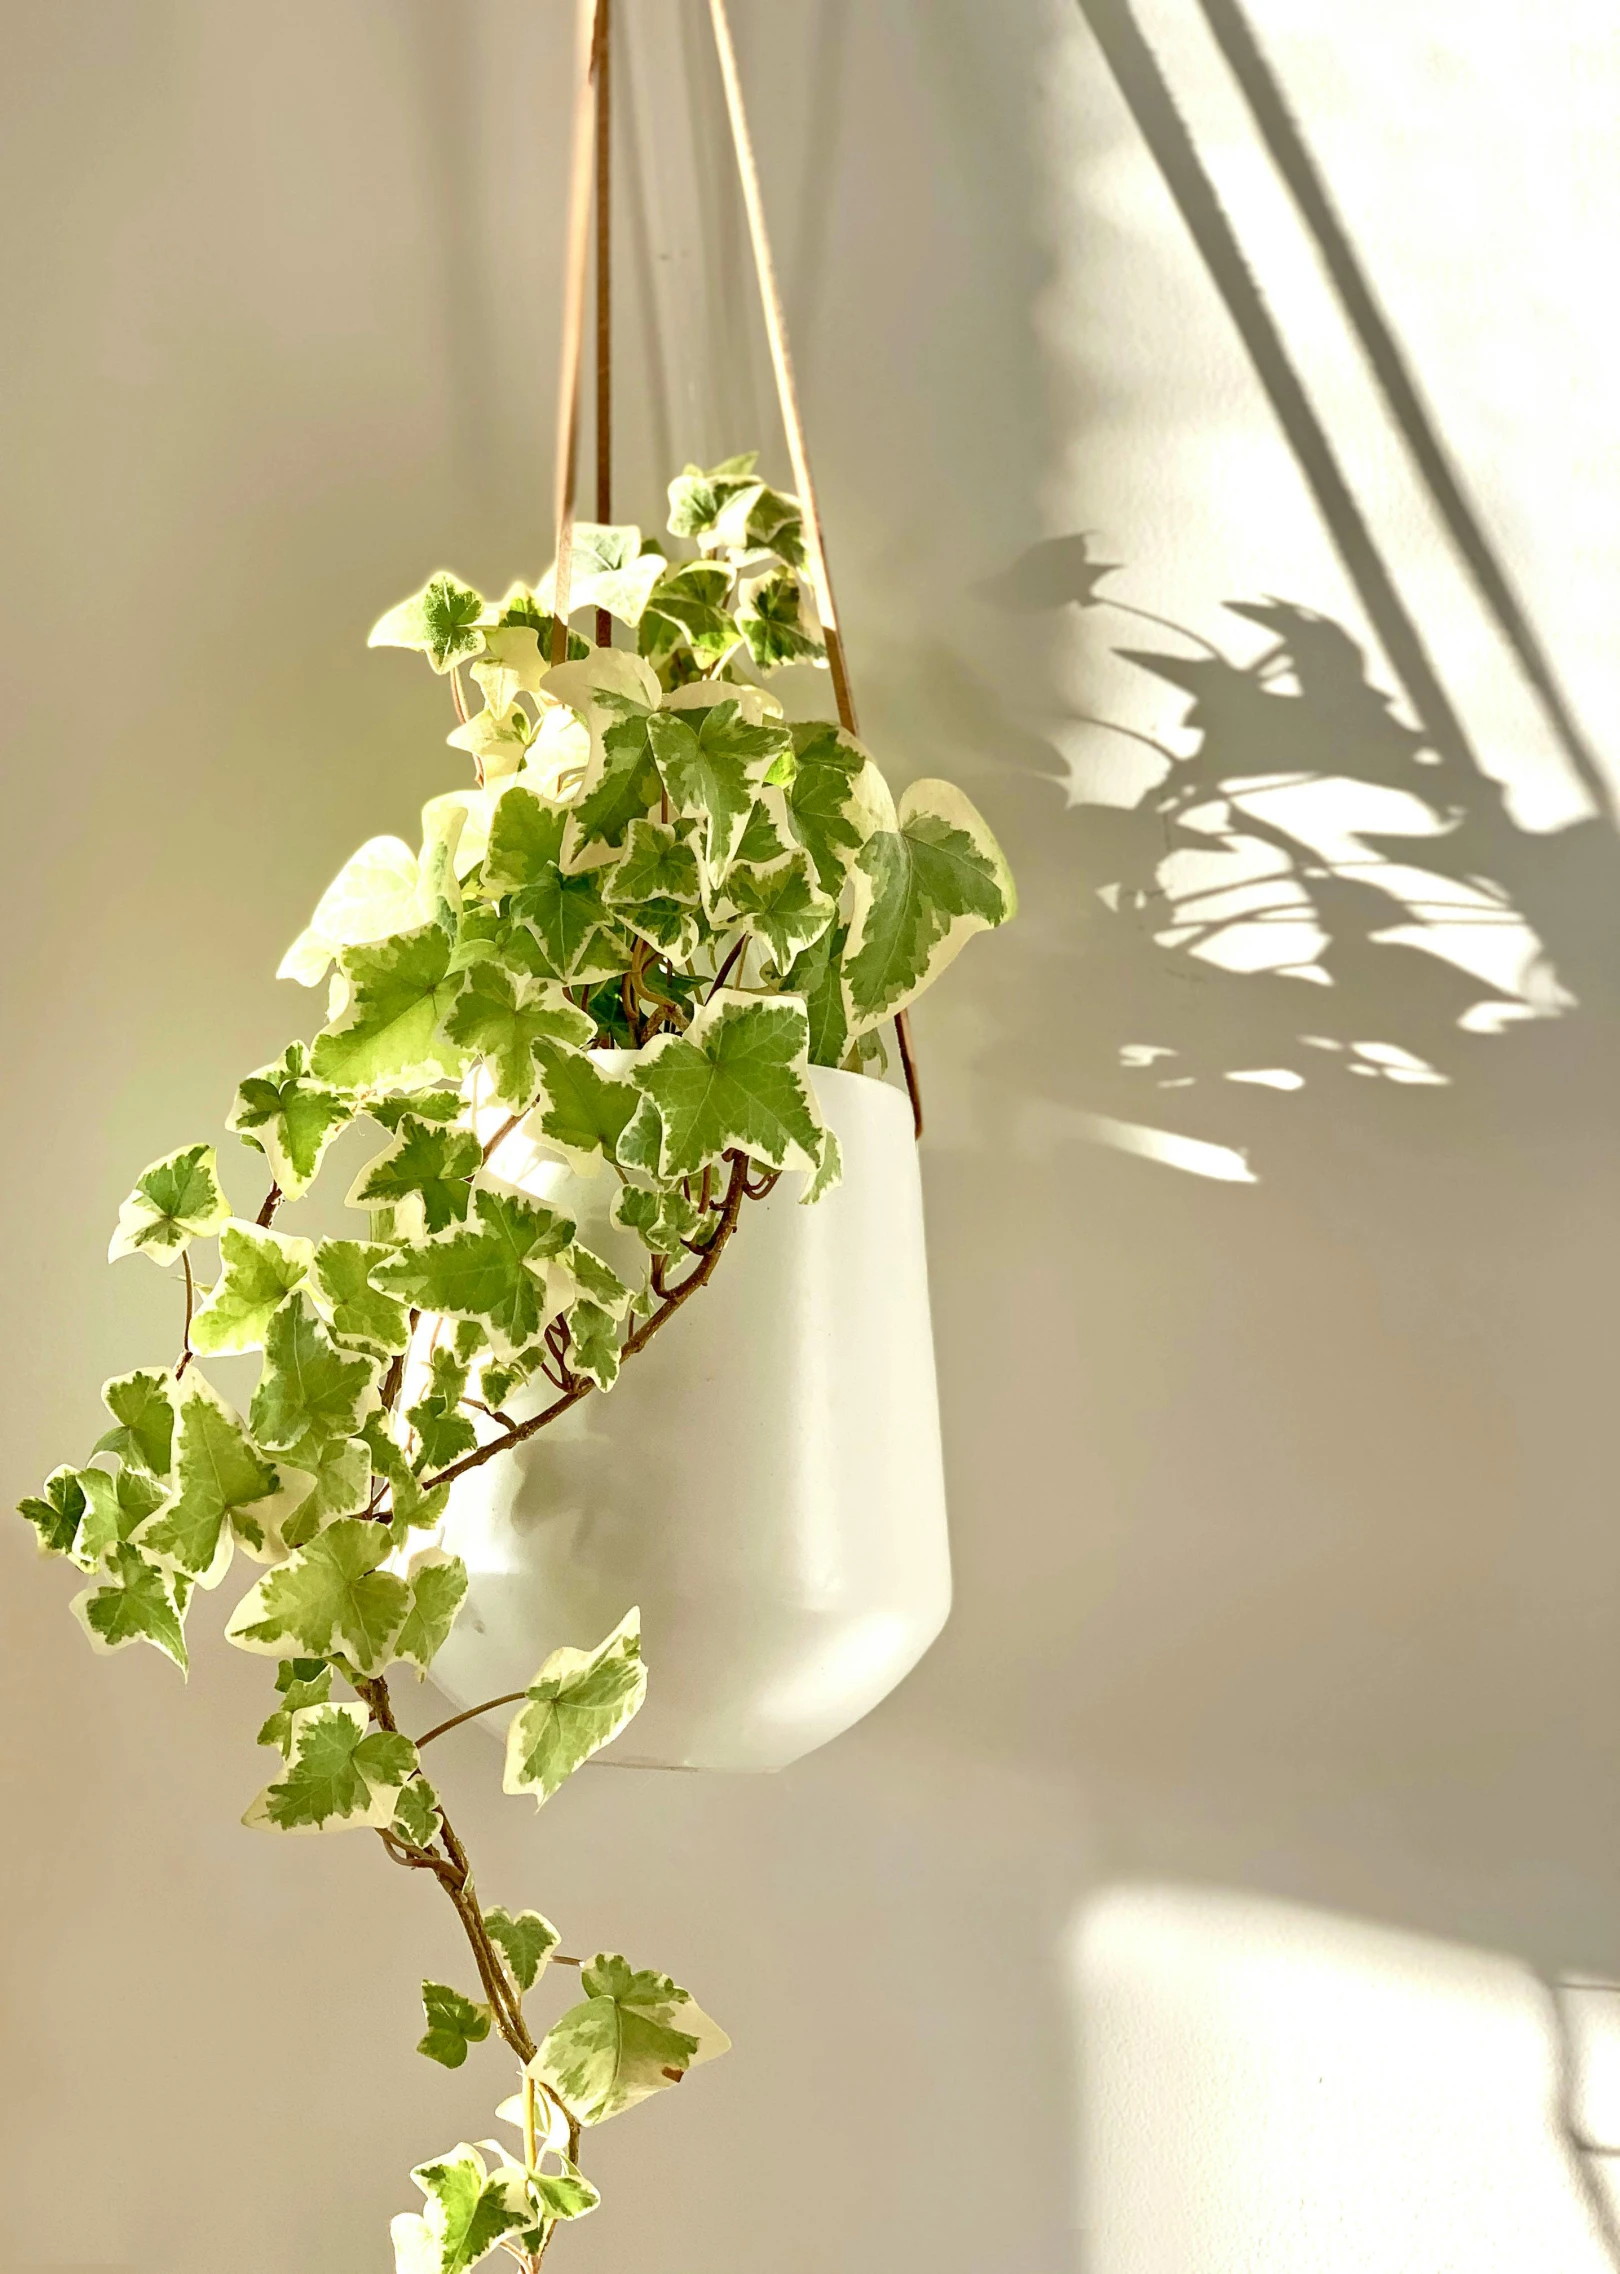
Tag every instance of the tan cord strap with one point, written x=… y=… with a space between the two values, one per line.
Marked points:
x=576 y=261
x=798 y=449
x=604 y=286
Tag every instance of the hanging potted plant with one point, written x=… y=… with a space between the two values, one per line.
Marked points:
x=617 y=1026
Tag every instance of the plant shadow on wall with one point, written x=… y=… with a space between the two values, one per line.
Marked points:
x=1289 y=888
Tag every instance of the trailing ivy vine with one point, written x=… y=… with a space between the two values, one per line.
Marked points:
x=658 y=904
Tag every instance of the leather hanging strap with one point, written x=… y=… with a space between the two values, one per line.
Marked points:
x=576 y=262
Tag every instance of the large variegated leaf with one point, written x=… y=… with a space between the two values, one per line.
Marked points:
x=634 y=2034
x=259 y=1269
x=390 y=1033
x=577 y=1703
x=330 y=1597
x=778 y=619
x=429 y=1168
x=309 y=1388
x=138 y=1602
x=736 y=1079
x=525 y=839
x=375 y=894
x=817 y=976
x=714 y=761
x=576 y=929
x=291 y=1117
x=832 y=802
x=142 y=1407
x=501 y=1017
x=580 y=1106
x=339 y=1777
x=468 y=2211
x=686 y=624
x=779 y=903
x=360 y=1318
x=494 y=1270
x=219 y=1481
x=922 y=889
x=608 y=570
x=175 y=1201
x=698 y=498
x=441 y=622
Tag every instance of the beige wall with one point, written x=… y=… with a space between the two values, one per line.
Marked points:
x=1279 y=1419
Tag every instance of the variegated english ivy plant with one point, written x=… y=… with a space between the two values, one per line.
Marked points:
x=624 y=945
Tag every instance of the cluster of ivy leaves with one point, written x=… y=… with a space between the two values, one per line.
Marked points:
x=656 y=907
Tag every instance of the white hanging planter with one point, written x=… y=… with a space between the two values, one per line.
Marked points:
x=765 y=1480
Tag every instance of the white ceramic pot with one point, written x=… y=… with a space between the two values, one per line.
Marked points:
x=764 y=1481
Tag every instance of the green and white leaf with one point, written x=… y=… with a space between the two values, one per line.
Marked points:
x=115 y=1508
x=297 y=1688
x=438 y=1583
x=220 y=1478
x=578 y=1702
x=453 y=2023
x=778 y=620
x=662 y=1221
x=496 y=1269
x=736 y=1079
x=500 y=1018
x=389 y=1033
x=525 y=840
x=817 y=977
x=375 y=894
x=525 y=1940
x=633 y=2034
x=497 y=737
x=425 y=1174
x=291 y=1117
x=260 y=1269
x=593 y=1343
x=360 y=1318
x=175 y=1201
x=417 y=1819
x=576 y=929
x=835 y=799
x=921 y=890
x=687 y=609
x=142 y=1407
x=698 y=498
x=329 y=1597
x=322 y=1478
x=56 y=1512
x=579 y=1107
x=714 y=761
x=608 y=569
x=139 y=1602
x=339 y=1777
x=468 y=2211
x=441 y=622
x=309 y=1389
x=781 y=905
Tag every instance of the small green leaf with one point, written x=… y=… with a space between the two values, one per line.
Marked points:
x=501 y=1020
x=525 y=1941
x=259 y=1270
x=309 y=1388
x=634 y=2033
x=409 y=1506
x=698 y=499
x=922 y=889
x=573 y=924
x=438 y=1583
x=115 y=1509
x=687 y=617
x=337 y=1776
x=291 y=1117
x=57 y=1512
x=735 y=1080
x=325 y=1477
x=453 y=2023
x=780 y=905
x=580 y=1107
x=141 y=1602
x=778 y=621
x=360 y=1318
x=525 y=840
x=329 y=1596
x=417 y=1816
x=829 y=814
x=494 y=1270
x=217 y=1476
x=609 y=570
x=390 y=1032
x=662 y=1221
x=142 y=1407
x=467 y=2214
x=598 y=1282
x=175 y=1201
x=440 y=621
x=428 y=1163
x=714 y=761
x=297 y=1689
x=658 y=864
x=444 y=1431
x=593 y=1344
x=829 y=1172
x=577 y=1703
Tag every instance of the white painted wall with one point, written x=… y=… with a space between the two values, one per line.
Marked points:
x=1279 y=1418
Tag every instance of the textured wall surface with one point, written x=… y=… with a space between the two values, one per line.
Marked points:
x=1180 y=1910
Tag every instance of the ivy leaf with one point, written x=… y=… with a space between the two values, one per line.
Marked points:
x=829 y=1172
x=57 y=1512
x=577 y=1703
x=780 y=905
x=687 y=608
x=142 y=1407
x=633 y=2034
x=309 y=1388
x=494 y=1270
x=389 y=1033
x=778 y=622
x=259 y=1270
x=525 y=840
x=417 y=1817
x=175 y=1201
x=140 y=1602
x=376 y=892
x=522 y=607
x=697 y=498
x=497 y=737
x=735 y=1079
x=662 y=1221
x=772 y=519
x=297 y=1688
x=360 y=1318
x=598 y=1282
x=338 y=1474
x=115 y=1507
x=438 y=1584
x=621 y=786
x=218 y=1476
x=440 y=621
x=291 y=1117
x=593 y=1344
x=525 y=1941
x=828 y=809
x=818 y=977
x=467 y=2214
x=657 y=864
x=329 y=1596
x=609 y=570
x=427 y=1162
x=922 y=889
x=444 y=1430
x=714 y=762
x=579 y=1107
x=573 y=924
x=337 y=1776
x=410 y=1507
x=501 y=1019
x=453 y=2023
